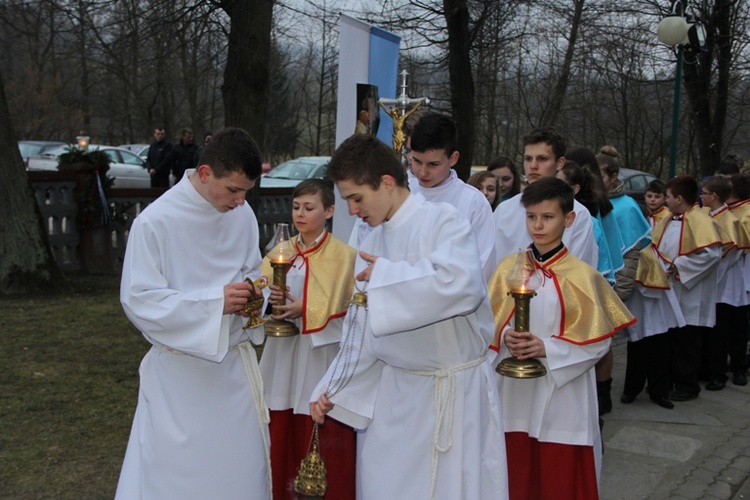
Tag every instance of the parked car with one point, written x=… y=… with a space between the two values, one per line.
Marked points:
x=635 y=181
x=126 y=168
x=139 y=149
x=292 y=172
x=31 y=148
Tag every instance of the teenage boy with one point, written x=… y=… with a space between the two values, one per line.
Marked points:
x=434 y=152
x=729 y=336
x=319 y=286
x=201 y=427
x=689 y=245
x=543 y=156
x=739 y=204
x=656 y=191
x=413 y=373
x=551 y=423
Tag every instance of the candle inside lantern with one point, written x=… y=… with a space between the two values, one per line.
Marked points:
x=523 y=281
x=281 y=252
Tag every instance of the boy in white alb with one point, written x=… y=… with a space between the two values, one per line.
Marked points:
x=434 y=152
x=543 y=156
x=320 y=284
x=201 y=427
x=728 y=338
x=689 y=245
x=551 y=422
x=412 y=373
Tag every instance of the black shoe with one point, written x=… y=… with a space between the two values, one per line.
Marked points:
x=716 y=385
x=664 y=403
x=678 y=395
x=739 y=379
x=626 y=399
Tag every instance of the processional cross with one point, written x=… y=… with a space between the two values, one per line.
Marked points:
x=400 y=110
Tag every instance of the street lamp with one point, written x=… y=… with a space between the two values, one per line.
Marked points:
x=83 y=141
x=680 y=29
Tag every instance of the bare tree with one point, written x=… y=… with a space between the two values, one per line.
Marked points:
x=246 y=74
x=25 y=258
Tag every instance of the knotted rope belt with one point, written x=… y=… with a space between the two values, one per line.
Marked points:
x=445 y=402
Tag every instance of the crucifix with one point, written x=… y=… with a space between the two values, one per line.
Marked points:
x=400 y=110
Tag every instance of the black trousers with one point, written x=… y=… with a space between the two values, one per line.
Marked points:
x=727 y=338
x=648 y=360
x=686 y=358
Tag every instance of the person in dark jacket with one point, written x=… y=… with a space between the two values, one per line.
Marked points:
x=159 y=159
x=183 y=154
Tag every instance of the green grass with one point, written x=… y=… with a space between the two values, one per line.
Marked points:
x=68 y=390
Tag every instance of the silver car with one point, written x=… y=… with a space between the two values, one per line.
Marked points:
x=292 y=172
x=126 y=168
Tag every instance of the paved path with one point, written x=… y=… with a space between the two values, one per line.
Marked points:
x=698 y=450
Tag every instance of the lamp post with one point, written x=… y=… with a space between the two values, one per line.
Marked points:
x=680 y=29
x=83 y=141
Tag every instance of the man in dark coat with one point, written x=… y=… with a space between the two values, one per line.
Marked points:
x=159 y=159
x=183 y=153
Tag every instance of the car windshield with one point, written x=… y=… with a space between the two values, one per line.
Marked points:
x=30 y=149
x=57 y=151
x=294 y=169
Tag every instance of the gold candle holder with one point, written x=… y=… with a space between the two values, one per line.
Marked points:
x=281 y=255
x=280 y=327
x=521 y=279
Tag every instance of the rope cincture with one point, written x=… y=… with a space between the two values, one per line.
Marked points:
x=445 y=403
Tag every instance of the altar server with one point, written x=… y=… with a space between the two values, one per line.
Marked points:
x=319 y=287
x=689 y=244
x=551 y=422
x=201 y=426
x=543 y=156
x=413 y=373
x=434 y=153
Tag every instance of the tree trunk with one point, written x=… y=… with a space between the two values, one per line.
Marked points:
x=552 y=113
x=702 y=92
x=247 y=73
x=26 y=262
x=462 y=81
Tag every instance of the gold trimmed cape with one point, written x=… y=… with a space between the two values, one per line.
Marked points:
x=741 y=210
x=658 y=215
x=728 y=227
x=697 y=231
x=329 y=281
x=591 y=310
x=650 y=272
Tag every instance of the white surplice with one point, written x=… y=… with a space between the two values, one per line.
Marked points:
x=696 y=287
x=200 y=429
x=560 y=407
x=292 y=366
x=423 y=391
x=511 y=234
x=473 y=205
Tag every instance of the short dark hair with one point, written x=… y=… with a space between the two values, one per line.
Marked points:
x=321 y=187
x=363 y=159
x=547 y=135
x=232 y=150
x=719 y=185
x=728 y=167
x=657 y=186
x=434 y=132
x=685 y=186
x=186 y=130
x=549 y=188
x=741 y=186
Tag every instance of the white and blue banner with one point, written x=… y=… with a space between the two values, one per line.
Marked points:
x=367 y=55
